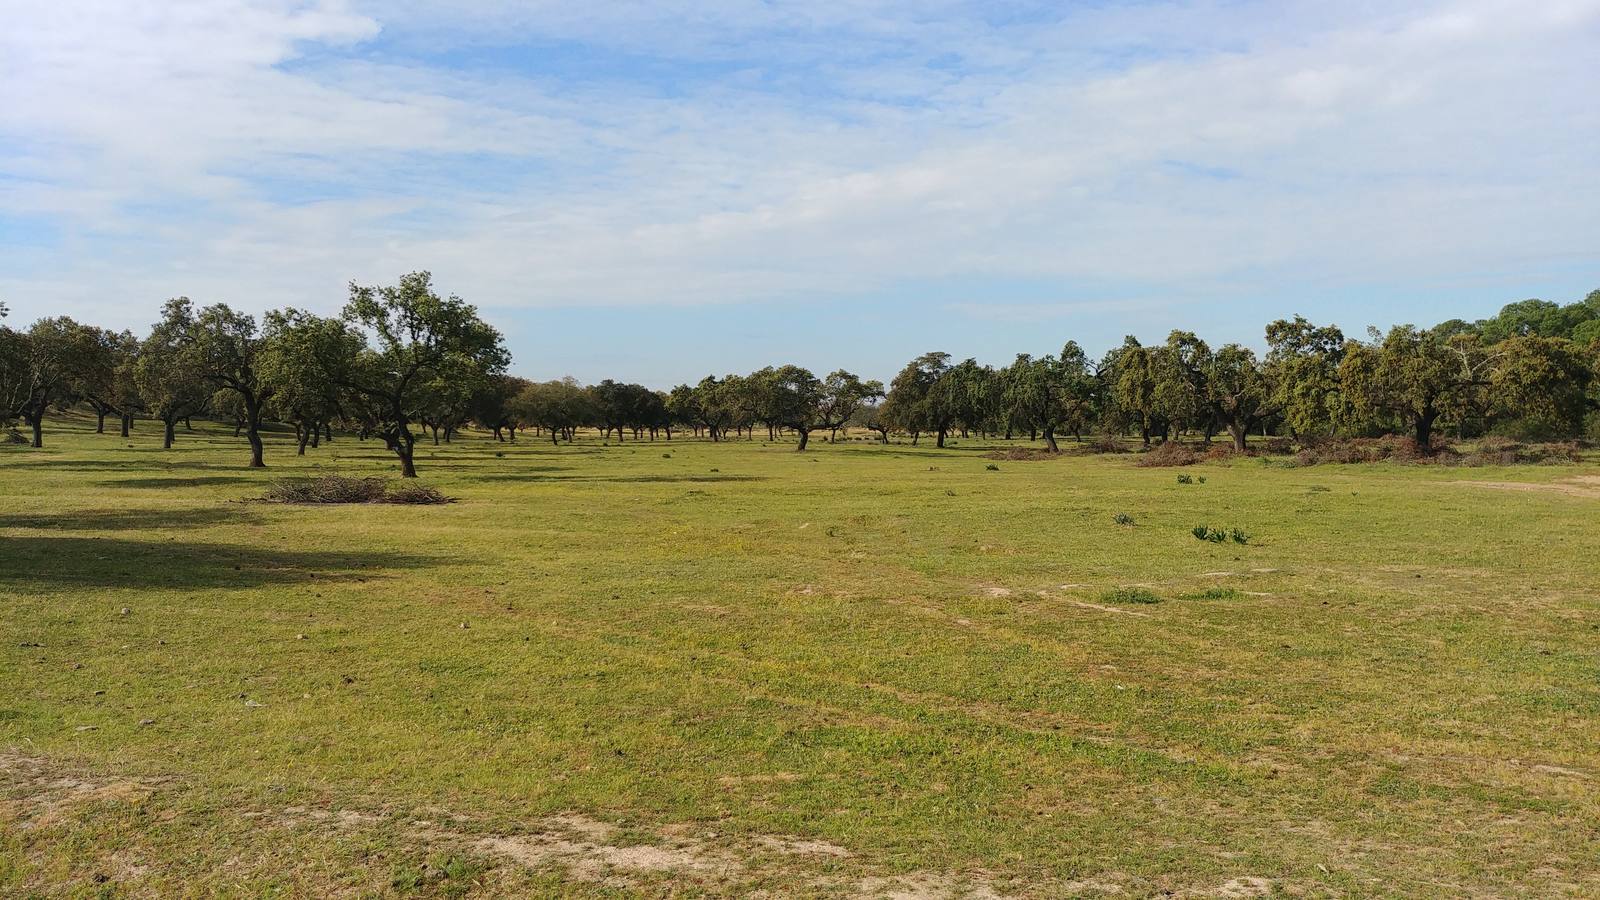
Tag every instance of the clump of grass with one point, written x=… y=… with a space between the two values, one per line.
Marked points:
x=1123 y=519
x=1216 y=593
x=1200 y=479
x=1186 y=479
x=666 y=456
x=449 y=876
x=1219 y=535
x=349 y=489
x=1129 y=595
x=991 y=467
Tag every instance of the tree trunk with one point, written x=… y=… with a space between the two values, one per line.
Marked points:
x=100 y=422
x=1424 y=427
x=38 y=429
x=254 y=435
x=404 y=446
x=305 y=438
x=166 y=437
x=940 y=442
x=805 y=436
x=1050 y=440
x=127 y=423
x=1239 y=432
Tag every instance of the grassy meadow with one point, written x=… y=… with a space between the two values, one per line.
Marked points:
x=691 y=669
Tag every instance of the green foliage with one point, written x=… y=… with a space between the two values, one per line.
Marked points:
x=1130 y=595
x=1215 y=535
x=1123 y=519
x=1214 y=593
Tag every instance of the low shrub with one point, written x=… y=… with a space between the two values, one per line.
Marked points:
x=1129 y=595
x=1278 y=446
x=1108 y=443
x=349 y=489
x=1020 y=454
x=1219 y=535
x=1123 y=519
x=1215 y=593
x=991 y=467
x=1186 y=479
x=1168 y=453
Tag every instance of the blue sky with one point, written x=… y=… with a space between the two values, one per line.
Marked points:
x=655 y=191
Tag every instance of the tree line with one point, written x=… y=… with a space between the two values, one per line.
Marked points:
x=401 y=359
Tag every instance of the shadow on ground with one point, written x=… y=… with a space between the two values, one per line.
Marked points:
x=129 y=519
x=624 y=479
x=163 y=482
x=39 y=563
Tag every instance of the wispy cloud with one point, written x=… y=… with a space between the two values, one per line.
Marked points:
x=732 y=151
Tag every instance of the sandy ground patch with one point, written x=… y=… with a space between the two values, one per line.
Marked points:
x=1579 y=486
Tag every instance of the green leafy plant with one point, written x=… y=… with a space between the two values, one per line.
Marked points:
x=1130 y=595
x=1215 y=593
x=1123 y=519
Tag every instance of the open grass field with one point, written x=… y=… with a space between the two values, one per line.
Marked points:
x=690 y=669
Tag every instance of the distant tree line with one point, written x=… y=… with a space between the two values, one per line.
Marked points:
x=402 y=359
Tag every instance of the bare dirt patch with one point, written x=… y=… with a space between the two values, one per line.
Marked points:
x=1581 y=486
x=34 y=791
x=36 y=794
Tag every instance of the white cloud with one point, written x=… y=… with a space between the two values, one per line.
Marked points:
x=267 y=152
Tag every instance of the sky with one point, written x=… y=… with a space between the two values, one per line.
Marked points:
x=658 y=191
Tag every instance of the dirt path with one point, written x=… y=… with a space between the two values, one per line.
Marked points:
x=1580 y=486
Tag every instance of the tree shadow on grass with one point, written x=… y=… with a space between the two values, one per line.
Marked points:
x=130 y=519
x=198 y=481
x=139 y=463
x=624 y=479
x=53 y=563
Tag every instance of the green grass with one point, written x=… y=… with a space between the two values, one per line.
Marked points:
x=1393 y=688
